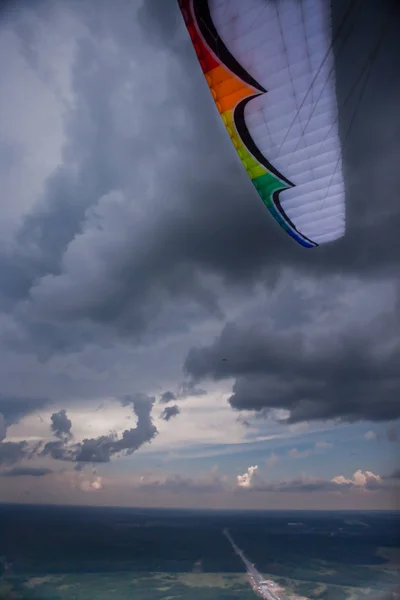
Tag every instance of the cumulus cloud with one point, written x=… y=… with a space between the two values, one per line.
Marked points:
x=170 y=411
x=253 y=481
x=82 y=480
x=360 y=480
x=313 y=377
x=247 y=479
x=60 y=424
x=102 y=448
x=92 y=485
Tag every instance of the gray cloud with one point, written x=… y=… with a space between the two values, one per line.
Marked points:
x=300 y=485
x=3 y=428
x=14 y=408
x=167 y=397
x=160 y=22
x=56 y=450
x=341 y=374
x=394 y=475
x=12 y=452
x=170 y=411
x=177 y=484
x=393 y=434
x=26 y=472
x=360 y=480
x=60 y=424
x=252 y=481
x=213 y=225
x=102 y=448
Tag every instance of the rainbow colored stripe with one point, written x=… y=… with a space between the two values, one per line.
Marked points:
x=230 y=93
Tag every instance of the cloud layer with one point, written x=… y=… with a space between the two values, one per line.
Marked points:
x=132 y=242
x=317 y=371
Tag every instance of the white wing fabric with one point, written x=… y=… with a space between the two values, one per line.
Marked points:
x=288 y=123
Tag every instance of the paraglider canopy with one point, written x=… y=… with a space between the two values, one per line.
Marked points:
x=270 y=70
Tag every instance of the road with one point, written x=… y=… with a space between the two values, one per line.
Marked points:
x=262 y=587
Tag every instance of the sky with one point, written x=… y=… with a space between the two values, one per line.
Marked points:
x=163 y=342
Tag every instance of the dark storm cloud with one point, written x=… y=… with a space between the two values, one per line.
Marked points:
x=98 y=163
x=14 y=408
x=56 y=450
x=12 y=452
x=349 y=376
x=167 y=397
x=60 y=424
x=170 y=411
x=26 y=472
x=68 y=194
x=88 y=173
x=102 y=448
x=213 y=221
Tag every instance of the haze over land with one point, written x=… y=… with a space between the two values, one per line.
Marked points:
x=94 y=552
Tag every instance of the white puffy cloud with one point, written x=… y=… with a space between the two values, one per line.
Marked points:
x=92 y=485
x=247 y=479
x=360 y=479
x=253 y=480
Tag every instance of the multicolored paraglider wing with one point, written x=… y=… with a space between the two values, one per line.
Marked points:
x=286 y=136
